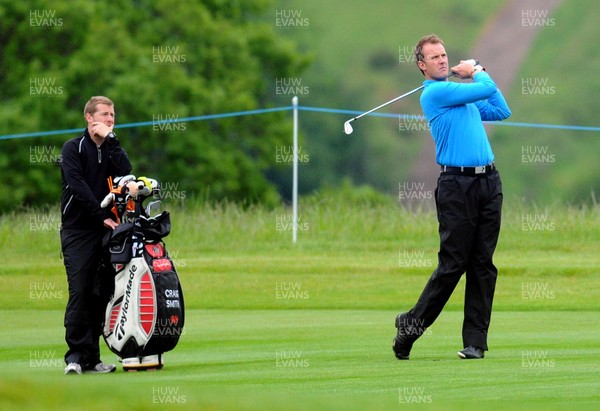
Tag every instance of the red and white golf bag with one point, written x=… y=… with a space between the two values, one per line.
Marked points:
x=145 y=315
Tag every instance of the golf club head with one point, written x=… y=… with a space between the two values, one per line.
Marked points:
x=348 y=128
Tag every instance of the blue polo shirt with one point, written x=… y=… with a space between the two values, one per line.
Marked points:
x=455 y=112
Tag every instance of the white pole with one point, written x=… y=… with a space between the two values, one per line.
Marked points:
x=295 y=173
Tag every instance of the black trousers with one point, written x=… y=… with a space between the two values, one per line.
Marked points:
x=91 y=283
x=469 y=210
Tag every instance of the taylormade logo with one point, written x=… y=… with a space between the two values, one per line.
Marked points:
x=120 y=331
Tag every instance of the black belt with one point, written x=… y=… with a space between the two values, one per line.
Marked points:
x=468 y=170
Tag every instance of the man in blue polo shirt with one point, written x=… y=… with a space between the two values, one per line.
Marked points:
x=468 y=197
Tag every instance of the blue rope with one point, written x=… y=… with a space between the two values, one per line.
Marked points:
x=149 y=123
x=421 y=117
x=205 y=117
x=286 y=108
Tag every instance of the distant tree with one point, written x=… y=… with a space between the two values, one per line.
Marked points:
x=158 y=60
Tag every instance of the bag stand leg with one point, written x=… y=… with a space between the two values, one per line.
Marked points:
x=146 y=363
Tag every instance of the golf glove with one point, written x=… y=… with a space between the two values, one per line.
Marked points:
x=476 y=65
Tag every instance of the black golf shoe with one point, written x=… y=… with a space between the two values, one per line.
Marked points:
x=406 y=336
x=471 y=353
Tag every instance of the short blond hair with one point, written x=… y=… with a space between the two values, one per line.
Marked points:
x=90 y=106
x=428 y=39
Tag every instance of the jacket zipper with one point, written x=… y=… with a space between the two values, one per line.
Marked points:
x=67 y=205
x=99 y=155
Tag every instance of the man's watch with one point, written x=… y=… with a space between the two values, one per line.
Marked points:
x=110 y=135
x=477 y=68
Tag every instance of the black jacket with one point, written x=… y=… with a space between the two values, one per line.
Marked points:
x=85 y=169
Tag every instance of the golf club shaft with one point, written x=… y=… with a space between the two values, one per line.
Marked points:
x=387 y=103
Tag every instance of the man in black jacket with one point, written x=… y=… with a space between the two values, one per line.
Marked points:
x=87 y=162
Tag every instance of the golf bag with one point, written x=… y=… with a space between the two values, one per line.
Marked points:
x=145 y=316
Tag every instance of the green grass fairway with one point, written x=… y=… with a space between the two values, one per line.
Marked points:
x=276 y=326
x=317 y=359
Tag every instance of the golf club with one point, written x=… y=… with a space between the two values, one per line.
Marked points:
x=348 y=127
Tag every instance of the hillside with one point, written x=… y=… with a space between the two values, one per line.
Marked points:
x=362 y=57
x=553 y=87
